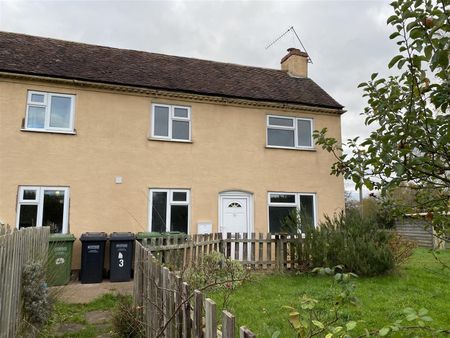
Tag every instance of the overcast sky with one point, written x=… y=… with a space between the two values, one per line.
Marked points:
x=347 y=40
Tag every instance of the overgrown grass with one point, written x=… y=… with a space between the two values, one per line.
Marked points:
x=421 y=282
x=75 y=313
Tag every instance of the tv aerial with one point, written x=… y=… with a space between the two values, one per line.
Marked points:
x=292 y=31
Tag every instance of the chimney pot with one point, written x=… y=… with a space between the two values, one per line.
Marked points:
x=295 y=63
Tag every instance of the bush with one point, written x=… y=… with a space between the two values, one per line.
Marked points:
x=348 y=240
x=215 y=272
x=126 y=319
x=37 y=305
x=401 y=248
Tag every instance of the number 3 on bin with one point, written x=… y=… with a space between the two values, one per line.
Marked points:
x=120 y=257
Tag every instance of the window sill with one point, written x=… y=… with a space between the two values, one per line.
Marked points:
x=49 y=131
x=291 y=148
x=168 y=140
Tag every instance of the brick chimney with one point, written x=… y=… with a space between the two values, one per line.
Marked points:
x=295 y=63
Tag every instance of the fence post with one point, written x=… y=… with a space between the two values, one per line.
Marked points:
x=228 y=325
x=246 y=333
x=211 y=324
x=165 y=297
x=279 y=252
x=221 y=246
x=178 y=306
x=198 y=307
x=187 y=321
x=137 y=275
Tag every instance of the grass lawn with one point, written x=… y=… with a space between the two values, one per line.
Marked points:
x=421 y=282
x=73 y=314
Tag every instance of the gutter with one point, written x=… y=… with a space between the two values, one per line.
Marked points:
x=174 y=94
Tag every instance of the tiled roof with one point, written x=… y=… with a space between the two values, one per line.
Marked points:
x=33 y=55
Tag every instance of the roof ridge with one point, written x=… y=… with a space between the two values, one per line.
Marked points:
x=141 y=51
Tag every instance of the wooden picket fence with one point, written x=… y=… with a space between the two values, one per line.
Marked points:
x=17 y=248
x=255 y=251
x=171 y=309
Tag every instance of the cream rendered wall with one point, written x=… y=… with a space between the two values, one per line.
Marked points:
x=228 y=152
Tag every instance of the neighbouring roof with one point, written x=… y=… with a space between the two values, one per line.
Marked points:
x=34 y=55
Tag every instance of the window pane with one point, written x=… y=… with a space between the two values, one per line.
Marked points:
x=159 y=208
x=29 y=195
x=307 y=210
x=278 y=121
x=180 y=112
x=161 y=127
x=60 y=112
x=36 y=117
x=178 y=196
x=27 y=216
x=282 y=198
x=277 y=217
x=304 y=133
x=53 y=213
x=37 y=98
x=180 y=130
x=280 y=137
x=179 y=218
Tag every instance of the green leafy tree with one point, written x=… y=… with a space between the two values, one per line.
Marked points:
x=409 y=110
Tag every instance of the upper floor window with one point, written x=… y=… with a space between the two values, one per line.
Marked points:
x=289 y=132
x=171 y=122
x=49 y=112
x=43 y=206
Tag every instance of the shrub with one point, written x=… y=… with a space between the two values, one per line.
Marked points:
x=348 y=240
x=216 y=272
x=126 y=319
x=401 y=248
x=37 y=305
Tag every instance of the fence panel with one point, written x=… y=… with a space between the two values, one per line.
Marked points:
x=169 y=307
x=17 y=248
x=255 y=251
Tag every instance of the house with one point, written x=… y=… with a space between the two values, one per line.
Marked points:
x=96 y=138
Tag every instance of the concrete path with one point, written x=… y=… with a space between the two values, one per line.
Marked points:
x=77 y=293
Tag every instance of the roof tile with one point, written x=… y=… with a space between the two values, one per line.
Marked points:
x=33 y=55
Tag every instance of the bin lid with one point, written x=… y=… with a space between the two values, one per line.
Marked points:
x=171 y=233
x=142 y=235
x=61 y=238
x=121 y=236
x=94 y=236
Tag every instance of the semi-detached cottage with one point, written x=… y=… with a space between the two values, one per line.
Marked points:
x=103 y=139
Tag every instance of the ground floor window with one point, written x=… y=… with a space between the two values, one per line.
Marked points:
x=169 y=210
x=281 y=205
x=43 y=206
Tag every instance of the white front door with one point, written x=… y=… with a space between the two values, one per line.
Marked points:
x=235 y=215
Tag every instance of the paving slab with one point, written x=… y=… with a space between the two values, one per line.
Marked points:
x=65 y=328
x=98 y=317
x=77 y=293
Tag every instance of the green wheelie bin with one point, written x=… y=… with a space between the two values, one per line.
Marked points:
x=140 y=236
x=59 y=262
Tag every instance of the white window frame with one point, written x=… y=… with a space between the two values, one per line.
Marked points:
x=39 y=201
x=172 y=118
x=294 y=128
x=295 y=204
x=47 y=105
x=169 y=203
